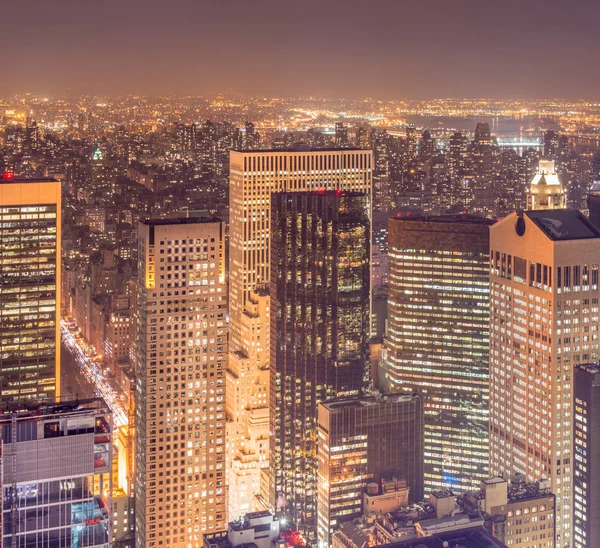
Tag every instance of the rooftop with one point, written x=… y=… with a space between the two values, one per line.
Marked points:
x=24 y=411
x=323 y=192
x=369 y=401
x=9 y=179
x=465 y=218
x=593 y=368
x=179 y=221
x=473 y=537
x=563 y=224
x=303 y=149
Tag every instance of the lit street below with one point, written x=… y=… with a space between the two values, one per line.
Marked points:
x=92 y=371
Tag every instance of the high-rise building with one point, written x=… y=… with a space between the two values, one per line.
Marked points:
x=586 y=456
x=362 y=441
x=551 y=144
x=247 y=392
x=381 y=172
x=56 y=475
x=320 y=292
x=254 y=177
x=546 y=191
x=30 y=259
x=341 y=135
x=181 y=355
x=593 y=203
x=543 y=320
x=436 y=341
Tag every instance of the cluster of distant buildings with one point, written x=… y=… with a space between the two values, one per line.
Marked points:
x=264 y=381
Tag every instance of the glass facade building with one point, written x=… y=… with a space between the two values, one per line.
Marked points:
x=365 y=440
x=320 y=291
x=437 y=339
x=57 y=477
x=29 y=290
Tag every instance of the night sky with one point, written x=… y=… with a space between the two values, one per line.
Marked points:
x=379 y=48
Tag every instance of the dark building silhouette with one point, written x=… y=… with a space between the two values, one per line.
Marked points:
x=586 y=453
x=364 y=441
x=319 y=329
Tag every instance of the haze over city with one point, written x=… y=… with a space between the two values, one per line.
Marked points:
x=388 y=49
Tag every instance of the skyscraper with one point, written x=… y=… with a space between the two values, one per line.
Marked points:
x=320 y=291
x=436 y=341
x=341 y=135
x=543 y=320
x=254 y=177
x=181 y=354
x=593 y=204
x=546 y=191
x=586 y=456
x=361 y=441
x=30 y=235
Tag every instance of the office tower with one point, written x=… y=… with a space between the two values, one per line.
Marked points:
x=483 y=152
x=593 y=203
x=320 y=290
x=596 y=166
x=181 y=355
x=586 y=456
x=436 y=341
x=426 y=146
x=483 y=135
x=254 y=177
x=30 y=236
x=546 y=191
x=551 y=143
x=341 y=135
x=381 y=172
x=543 y=320
x=364 y=441
x=56 y=475
x=457 y=153
x=411 y=143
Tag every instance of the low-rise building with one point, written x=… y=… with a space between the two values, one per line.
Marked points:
x=517 y=513
x=255 y=529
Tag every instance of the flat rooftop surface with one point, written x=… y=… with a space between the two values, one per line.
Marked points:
x=563 y=224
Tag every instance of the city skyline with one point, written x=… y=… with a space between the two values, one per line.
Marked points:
x=390 y=49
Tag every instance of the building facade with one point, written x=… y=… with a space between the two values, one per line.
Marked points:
x=586 y=456
x=181 y=355
x=320 y=292
x=437 y=339
x=30 y=259
x=543 y=320
x=364 y=441
x=56 y=475
x=254 y=176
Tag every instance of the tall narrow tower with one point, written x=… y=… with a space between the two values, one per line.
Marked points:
x=543 y=321
x=320 y=292
x=30 y=259
x=181 y=354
